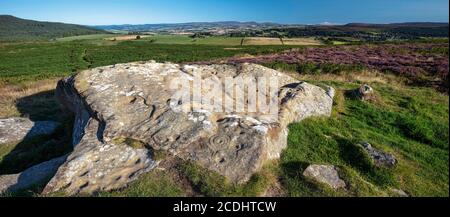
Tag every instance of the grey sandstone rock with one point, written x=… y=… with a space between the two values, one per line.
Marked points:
x=326 y=174
x=399 y=192
x=17 y=129
x=32 y=176
x=132 y=102
x=380 y=158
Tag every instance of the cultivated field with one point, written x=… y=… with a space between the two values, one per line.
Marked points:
x=126 y=37
x=185 y=39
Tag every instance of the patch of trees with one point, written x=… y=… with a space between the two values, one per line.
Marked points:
x=201 y=35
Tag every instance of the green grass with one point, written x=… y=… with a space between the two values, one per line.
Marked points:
x=212 y=184
x=411 y=123
x=37 y=61
x=153 y=184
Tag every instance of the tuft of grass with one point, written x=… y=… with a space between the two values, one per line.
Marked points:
x=156 y=183
x=211 y=184
x=136 y=144
x=159 y=155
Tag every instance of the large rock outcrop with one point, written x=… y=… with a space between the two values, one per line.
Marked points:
x=125 y=112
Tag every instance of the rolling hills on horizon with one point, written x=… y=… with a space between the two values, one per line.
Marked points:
x=17 y=29
x=252 y=24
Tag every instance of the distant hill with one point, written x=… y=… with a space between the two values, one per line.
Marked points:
x=402 y=30
x=191 y=26
x=359 y=30
x=397 y=25
x=16 y=29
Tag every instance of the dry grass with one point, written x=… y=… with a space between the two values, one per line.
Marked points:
x=301 y=41
x=10 y=94
x=364 y=76
x=262 y=41
x=232 y=48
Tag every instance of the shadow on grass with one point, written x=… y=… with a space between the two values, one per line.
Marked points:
x=42 y=106
x=354 y=155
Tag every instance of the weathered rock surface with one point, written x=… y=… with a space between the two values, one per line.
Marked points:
x=17 y=129
x=98 y=166
x=380 y=158
x=133 y=102
x=326 y=174
x=399 y=192
x=32 y=176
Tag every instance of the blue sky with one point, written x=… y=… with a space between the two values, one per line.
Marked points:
x=100 y=12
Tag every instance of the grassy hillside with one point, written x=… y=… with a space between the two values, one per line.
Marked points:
x=16 y=29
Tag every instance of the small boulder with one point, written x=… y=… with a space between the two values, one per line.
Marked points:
x=327 y=174
x=32 y=176
x=364 y=93
x=399 y=192
x=17 y=129
x=379 y=157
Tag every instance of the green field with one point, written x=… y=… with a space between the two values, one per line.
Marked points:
x=187 y=40
x=182 y=39
x=164 y=39
x=410 y=122
x=35 y=61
